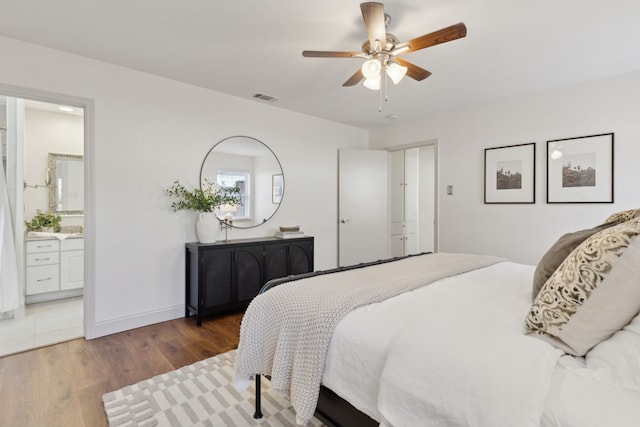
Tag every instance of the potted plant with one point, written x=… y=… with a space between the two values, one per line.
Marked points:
x=43 y=221
x=205 y=200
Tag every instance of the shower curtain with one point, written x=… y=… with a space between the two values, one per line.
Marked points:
x=8 y=263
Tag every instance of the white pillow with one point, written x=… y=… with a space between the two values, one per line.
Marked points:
x=616 y=361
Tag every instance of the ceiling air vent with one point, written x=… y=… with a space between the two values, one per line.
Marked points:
x=264 y=97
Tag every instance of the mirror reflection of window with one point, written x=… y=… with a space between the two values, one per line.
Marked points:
x=250 y=165
x=240 y=179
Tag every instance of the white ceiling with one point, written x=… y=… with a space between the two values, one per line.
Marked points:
x=241 y=48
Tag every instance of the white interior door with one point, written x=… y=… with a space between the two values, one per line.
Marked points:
x=362 y=206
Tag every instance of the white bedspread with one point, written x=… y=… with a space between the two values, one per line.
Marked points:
x=286 y=331
x=456 y=355
x=577 y=399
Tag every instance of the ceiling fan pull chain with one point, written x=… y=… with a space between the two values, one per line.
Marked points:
x=386 y=81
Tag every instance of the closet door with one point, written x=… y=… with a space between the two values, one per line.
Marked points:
x=403 y=200
x=412 y=201
x=427 y=199
x=411 y=185
x=396 y=187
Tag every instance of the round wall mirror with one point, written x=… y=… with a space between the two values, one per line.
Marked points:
x=250 y=165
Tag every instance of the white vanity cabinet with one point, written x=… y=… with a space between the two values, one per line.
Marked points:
x=71 y=264
x=54 y=269
x=43 y=266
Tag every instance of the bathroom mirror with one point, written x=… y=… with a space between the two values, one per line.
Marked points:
x=250 y=165
x=66 y=184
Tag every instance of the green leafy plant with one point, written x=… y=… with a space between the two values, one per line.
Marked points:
x=43 y=220
x=204 y=199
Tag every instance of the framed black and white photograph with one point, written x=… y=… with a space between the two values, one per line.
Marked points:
x=510 y=174
x=277 y=188
x=580 y=170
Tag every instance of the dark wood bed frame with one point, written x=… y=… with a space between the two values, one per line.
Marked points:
x=332 y=409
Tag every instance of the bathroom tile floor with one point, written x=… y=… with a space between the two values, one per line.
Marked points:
x=43 y=324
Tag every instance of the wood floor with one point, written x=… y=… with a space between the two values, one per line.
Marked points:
x=62 y=385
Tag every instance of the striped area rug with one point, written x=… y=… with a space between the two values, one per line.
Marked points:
x=197 y=395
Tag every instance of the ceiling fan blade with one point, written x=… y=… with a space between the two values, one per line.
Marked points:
x=355 y=79
x=413 y=70
x=374 y=21
x=330 y=54
x=444 y=35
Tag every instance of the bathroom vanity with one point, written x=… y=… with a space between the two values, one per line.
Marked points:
x=54 y=268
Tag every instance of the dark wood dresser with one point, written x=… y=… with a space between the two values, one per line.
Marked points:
x=225 y=276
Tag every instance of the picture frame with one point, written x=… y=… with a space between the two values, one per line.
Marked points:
x=510 y=174
x=580 y=169
x=277 y=188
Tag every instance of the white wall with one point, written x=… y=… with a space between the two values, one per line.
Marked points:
x=150 y=131
x=524 y=232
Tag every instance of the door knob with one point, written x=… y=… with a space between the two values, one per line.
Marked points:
x=344 y=221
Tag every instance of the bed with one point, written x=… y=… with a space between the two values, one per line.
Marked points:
x=461 y=340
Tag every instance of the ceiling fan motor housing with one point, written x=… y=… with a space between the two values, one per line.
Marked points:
x=392 y=41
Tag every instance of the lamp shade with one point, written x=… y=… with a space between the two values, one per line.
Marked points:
x=371 y=68
x=373 y=84
x=396 y=72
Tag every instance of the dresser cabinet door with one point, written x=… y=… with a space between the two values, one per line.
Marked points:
x=217 y=275
x=301 y=257
x=248 y=272
x=275 y=261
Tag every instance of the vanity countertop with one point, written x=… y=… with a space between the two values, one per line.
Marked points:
x=51 y=236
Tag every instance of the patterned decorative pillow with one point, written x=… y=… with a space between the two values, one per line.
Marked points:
x=593 y=293
x=561 y=250
x=623 y=216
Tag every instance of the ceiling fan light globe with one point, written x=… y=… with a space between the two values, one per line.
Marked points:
x=373 y=84
x=371 y=68
x=396 y=72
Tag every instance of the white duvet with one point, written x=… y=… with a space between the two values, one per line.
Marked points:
x=455 y=354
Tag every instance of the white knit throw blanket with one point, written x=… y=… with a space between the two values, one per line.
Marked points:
x=286 y=331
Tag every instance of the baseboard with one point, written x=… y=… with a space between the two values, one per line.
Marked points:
x=51 y=296
x=122 y=324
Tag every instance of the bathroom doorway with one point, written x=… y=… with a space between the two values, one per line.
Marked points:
x=43 y=146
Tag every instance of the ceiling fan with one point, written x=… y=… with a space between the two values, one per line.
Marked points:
x=382 y=50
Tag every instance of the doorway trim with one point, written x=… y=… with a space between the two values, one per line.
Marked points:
x=87 y=104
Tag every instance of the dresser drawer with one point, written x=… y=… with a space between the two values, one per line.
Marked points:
x=43 y=278
x=35 y=246
x=43 y=258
